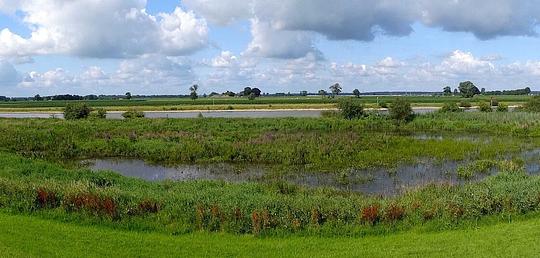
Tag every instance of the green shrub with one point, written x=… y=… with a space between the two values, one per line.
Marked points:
x=99 y=113
x=75 y=111
x=450 y=107
x=494 y=102
x=502 y=107
x=465 y=104
x=133 y=114
x=533 y=105
x=476 y=167
x=351 y=109
x=383 y=104
x=485 y=107
x=401 y=111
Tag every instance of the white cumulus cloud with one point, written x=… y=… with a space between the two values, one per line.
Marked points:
x=102 y=29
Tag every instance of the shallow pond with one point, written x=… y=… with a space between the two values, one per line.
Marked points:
x=374 y=182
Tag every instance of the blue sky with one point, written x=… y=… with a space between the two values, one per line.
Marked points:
x=163 y=47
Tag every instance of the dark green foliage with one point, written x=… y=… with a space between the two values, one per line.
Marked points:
x=351 y=109
x=447 y=91
x=502 y=107
x=450 y=107
x=132 y=114
x=533 y=105
x=193 y=92
x=335 y=89
x=98 y=113
x=38 y=98
x=465 y=104
x=525 y=91
x=468 y=89
x=74 y=111
x=356 y=93
x=485 y=107
x=256 y=92
x=401 y=111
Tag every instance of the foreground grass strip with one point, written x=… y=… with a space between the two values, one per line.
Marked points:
x=32 y=237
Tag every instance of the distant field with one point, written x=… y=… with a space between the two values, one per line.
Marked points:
x=311 y=102
x=32 y=237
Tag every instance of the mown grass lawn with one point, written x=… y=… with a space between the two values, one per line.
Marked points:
x=33 y=237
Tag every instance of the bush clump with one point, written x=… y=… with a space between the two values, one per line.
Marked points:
x=401 y=111
x=465 y=104
x=132 y=114
x=450 y=107
x=76 y=111
x=99 y=113
x=533 y=105
x=502 y=107
x=351 y=109
x=485 y=107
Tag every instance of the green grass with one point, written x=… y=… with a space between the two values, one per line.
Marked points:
x=321 y=145
x=106 y=199
x=32 y=237
x=244 y=103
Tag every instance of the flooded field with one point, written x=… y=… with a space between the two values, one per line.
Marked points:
x=386 y=182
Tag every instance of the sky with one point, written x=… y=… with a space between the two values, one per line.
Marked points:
x=85 y=47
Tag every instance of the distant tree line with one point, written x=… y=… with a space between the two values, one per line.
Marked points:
x=525 y=91
x=468 y=90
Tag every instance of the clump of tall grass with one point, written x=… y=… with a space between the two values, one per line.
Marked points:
x=74 y=111
x=450 y=107
x=98 y=113
x=132 y=114
x=485 y=107
x=465 y=104
x=502 y=107
x=476 y=167
x=533 y=105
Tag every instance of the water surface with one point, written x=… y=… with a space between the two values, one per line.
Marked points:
x=386 y=182
x=195 y=114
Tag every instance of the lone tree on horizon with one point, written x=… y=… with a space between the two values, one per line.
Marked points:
x=193 y=95
x=468 y=89
x=38 y=98
x=335 y=89
x=256 y=91
x=356 y=93
x=322 y=93
x=128 y=95
x=447 y=91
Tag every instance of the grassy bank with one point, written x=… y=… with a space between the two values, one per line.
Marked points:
x=45 y=189
x=33 y=237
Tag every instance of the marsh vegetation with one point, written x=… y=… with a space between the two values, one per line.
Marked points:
x=487 y=163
